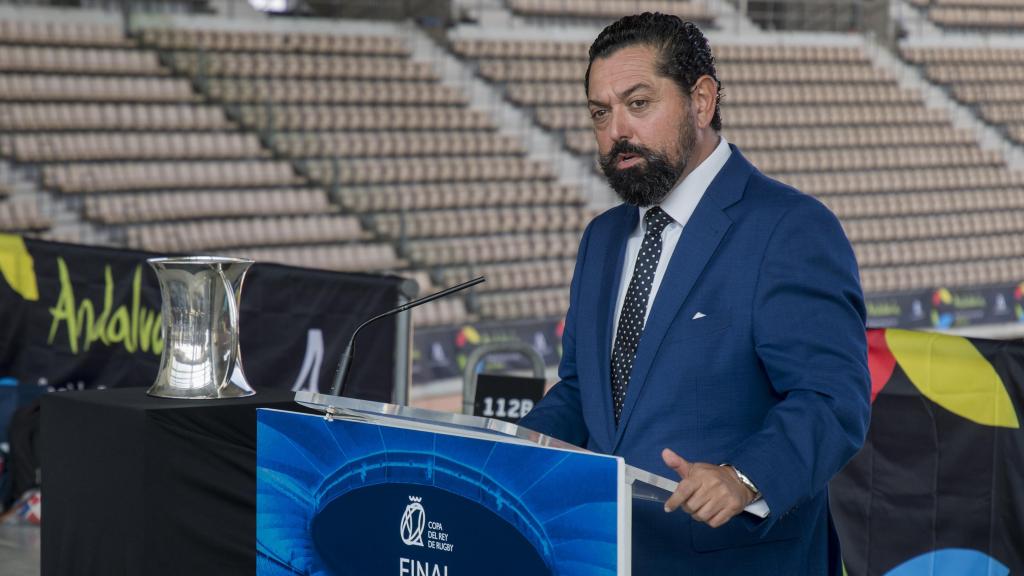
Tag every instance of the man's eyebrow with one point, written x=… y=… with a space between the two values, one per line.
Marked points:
x=638 y=86
x=622 y=96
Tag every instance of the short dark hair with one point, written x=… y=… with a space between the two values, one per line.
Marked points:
x=684 y=52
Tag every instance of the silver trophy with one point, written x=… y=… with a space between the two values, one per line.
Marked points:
x=200 y=296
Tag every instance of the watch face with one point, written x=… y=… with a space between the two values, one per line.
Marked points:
x=746 y=482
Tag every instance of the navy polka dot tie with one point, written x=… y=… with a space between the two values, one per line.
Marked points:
x=634 y=309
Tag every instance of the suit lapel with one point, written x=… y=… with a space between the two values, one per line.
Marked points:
x=614 y=251
x=697 y=244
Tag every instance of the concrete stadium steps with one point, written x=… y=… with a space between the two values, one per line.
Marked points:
x=382 y=128
x=824 y=114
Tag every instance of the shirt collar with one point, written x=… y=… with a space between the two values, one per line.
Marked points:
x=681 y=201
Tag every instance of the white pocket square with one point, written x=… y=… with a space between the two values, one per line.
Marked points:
x=698 y=316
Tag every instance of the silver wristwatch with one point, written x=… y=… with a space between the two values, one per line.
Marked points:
x=745 y=481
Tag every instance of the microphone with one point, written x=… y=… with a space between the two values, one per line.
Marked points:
x=346 y=357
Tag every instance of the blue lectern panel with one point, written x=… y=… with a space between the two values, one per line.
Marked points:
x=469 y=541
x=345 y=497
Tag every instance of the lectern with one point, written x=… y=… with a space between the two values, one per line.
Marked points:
x=372 y=488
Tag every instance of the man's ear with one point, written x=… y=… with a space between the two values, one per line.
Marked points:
x=704 y=97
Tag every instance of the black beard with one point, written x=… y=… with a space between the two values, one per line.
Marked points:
x=647 y=183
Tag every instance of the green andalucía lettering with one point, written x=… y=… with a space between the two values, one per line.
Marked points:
x=884 y=309
x=961 y=301
x=134 y=328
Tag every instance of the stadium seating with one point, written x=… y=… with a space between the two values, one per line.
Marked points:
x=363 y=118
x=986 y=79
x=479 y=221
x=105 y=124
x=393 y=198
x=122 y=117
x=313 y=66
x=319 y=117
x=217 y=234
x=498 y=248
x=88 y=146
x=973 y=15
x=531 y=304
x=519 y=276
x=127 y=176
x=52 y=87
x=79 y=60
x=604 y=11
x=346 y=257
x=397 y=143
x=194 y=204
x=349 y=152
x=21 y=215
x=283 y=42
x=57 y=33
x=917 y=196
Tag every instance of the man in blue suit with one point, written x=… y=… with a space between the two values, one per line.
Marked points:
x=715 y=330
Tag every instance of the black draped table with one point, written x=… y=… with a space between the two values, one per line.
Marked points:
x=140 y=485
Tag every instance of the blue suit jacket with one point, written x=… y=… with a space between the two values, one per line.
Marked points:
x=773 y=379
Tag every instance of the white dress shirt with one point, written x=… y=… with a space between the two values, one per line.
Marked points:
x=679 y=204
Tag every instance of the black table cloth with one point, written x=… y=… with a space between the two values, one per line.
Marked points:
x=140 y=485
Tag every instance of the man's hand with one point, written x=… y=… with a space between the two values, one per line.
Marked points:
x=711 y=494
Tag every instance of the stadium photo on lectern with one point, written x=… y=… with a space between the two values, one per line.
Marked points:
x=711 y=231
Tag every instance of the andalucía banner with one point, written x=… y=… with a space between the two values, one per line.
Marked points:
x=938 y=489
x=75 y=317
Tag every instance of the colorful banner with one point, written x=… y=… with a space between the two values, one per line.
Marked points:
x=440 y=353
x=936 y=490
x=75 y=317
x=351 y=497
x=948 y=308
